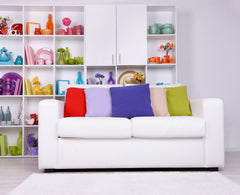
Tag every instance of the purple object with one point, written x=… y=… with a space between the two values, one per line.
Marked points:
x=98 y=102
x=13 y=77
x=111 y=80
x=33 y=151
x=131 y=101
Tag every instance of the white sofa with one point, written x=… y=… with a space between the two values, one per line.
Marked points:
x=143 y=142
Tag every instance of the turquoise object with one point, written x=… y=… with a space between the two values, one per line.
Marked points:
x=19 y=60
x=7 y=57
x=167 y=31
x=79 y=79
x=167 y=26
x=8 y=115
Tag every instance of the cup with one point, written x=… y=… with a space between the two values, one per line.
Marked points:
x=154 y=29
x=61 y=32
x=70 y=31
x=158 y=60
x=13 y=150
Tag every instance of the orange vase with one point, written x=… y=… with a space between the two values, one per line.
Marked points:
x=166 y=59
x=49 y=24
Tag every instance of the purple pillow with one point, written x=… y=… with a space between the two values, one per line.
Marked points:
x=98 y=102
x=131 y=101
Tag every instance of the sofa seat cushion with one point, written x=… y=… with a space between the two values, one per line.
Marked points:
x=168 y=127
x=94 y=127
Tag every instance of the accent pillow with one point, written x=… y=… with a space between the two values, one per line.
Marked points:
x=75 y=103
x=131 y=101
x=177 y=100
x=99 y=102
x=159 y=101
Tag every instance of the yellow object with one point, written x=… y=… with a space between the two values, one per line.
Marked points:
x=36 y=89
x=47 y=89
x=28 y=90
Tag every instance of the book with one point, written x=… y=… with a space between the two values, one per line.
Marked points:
x=16 y=87
x=20 y=87
x=28 y=90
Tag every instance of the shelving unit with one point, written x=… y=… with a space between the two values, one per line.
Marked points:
x=78 y=45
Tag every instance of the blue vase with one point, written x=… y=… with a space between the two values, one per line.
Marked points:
x=8 y=116
x=79 y=79
x=33 y=151
x=111 y=80
x=19 y=60
x=1 y=115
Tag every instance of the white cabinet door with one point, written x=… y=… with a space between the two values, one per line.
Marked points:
x=131 y=34
x=100 y=34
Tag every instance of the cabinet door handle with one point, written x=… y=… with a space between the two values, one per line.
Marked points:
x=112 y=58
x=119 y=59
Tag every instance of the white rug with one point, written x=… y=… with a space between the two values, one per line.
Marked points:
x=128 y=183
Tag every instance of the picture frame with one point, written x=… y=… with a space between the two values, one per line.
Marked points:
x=31 y=27
x=62 y=86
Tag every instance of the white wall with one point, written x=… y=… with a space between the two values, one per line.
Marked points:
x=208 y=52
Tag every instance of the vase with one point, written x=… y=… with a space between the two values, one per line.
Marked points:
x=66 y=56
x=33 y=151
x=166 y=58
x=61 y=59
x=111 y=80
x=19 y=143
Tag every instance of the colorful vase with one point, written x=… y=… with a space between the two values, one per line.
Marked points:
x=111 y=80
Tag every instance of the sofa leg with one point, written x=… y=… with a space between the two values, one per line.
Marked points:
x=213 y=169
x=48 y=170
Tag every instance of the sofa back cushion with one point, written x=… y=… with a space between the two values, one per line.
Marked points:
x=98 y=102
x=177 y=100
x=75 y=103
x=131 y=101
x=159 y=101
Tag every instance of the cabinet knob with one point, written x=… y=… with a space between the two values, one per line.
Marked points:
x=112 y=58
x=119 y=59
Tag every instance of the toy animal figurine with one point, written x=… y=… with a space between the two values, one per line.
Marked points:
x=5 y=57
x=36 y=89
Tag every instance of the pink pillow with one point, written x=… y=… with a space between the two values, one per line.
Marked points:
x=159 y=101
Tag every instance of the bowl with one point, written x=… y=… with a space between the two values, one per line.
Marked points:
x=167 y=26
x=167 y=31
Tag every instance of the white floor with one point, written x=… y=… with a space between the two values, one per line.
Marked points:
x=15 y=170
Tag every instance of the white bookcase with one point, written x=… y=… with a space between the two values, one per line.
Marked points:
x=115 y=39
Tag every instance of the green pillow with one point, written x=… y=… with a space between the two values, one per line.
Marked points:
x=177 y=100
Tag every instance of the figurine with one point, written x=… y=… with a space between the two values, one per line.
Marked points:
x=79 y=79
x=36 y=89
x=5 y=57
x=19 y=60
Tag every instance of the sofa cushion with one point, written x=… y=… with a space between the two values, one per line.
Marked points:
x=94 y=127
x=168 y=127
x=131 y=101
x=159 y=101
x=99 y=102
x=75 y=104
x=177 y=100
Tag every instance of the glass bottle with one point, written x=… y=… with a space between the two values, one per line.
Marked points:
x=79 y=79
x=61 y=59
x=111 y=80
x=8 y=115
x=66 y=56
x=1 y=115
x=19 y=143
x=49 y=24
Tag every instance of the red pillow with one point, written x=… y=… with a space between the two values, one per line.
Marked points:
x=75 y=104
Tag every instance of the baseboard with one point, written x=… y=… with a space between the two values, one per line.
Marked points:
x=232 y=149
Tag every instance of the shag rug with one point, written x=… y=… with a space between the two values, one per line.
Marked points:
x=127 y=183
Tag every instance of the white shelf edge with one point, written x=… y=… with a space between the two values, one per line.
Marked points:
x=11 y=126
x=38 y=96
x=11 y=96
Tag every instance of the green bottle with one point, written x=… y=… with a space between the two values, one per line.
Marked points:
x=19 y=143
x=66 y=56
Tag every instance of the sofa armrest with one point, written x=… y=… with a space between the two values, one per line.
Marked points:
x=211 y=110
x=49 y=112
